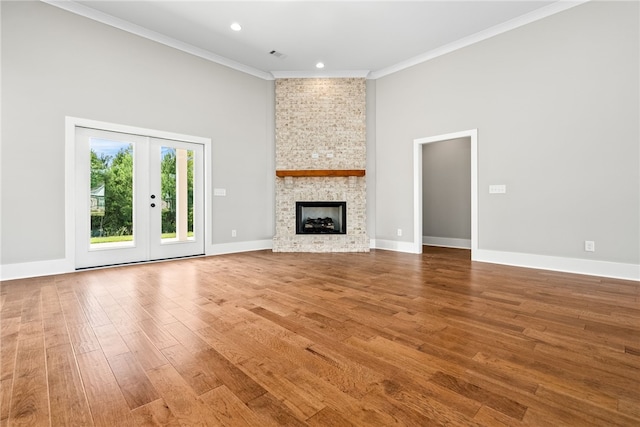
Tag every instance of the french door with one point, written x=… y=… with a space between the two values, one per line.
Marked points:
x=138 y=198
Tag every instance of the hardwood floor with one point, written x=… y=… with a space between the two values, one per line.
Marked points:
x=263 y=339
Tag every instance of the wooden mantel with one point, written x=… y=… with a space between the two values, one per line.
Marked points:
x=320 y=172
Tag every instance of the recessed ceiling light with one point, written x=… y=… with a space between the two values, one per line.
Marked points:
x=319 y=65
x=236 y=27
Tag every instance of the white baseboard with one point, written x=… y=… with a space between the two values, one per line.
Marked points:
x=568 y=265
x=235 y=247
x=35 y=269
x=392 y=245
x=589 y=267
x=447 y=242
x=61 y=266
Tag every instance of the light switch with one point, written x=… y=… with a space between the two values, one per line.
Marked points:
x=219 y=191
x=497 y=189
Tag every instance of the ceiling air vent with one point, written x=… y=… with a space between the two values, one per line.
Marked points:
x=277 y=54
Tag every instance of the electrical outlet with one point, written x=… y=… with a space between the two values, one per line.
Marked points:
x=233 y=233
x=399 y=231
x=589 y=246
x=315 y=155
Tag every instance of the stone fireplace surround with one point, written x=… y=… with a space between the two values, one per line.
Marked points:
x=320 y=156
x=349 y=189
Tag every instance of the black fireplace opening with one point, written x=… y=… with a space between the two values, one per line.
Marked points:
x=321 y=217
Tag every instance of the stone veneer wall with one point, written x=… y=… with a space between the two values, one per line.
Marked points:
x=320 y=124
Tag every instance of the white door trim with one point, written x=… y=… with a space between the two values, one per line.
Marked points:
x=417 y=186
x=70 y=179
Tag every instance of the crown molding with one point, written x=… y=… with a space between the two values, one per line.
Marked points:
x=320 y=74
x=512 y=24
x=121 y=24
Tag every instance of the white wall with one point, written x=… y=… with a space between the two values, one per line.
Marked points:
x=57 y=64
x=556 y=107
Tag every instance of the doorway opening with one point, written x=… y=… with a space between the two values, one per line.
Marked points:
x=446 y=194
x=418 y=144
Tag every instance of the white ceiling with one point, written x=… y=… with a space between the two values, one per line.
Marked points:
x=352 y=38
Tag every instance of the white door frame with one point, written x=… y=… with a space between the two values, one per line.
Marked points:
x=70 y=179
x=417 y=185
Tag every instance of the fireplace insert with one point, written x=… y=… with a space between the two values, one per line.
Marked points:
x=321 y=217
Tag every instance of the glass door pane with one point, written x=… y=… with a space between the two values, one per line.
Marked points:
x=110 y=213
x=176 y=177
x=111 y=194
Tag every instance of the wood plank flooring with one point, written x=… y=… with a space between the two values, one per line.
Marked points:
x=268 y=339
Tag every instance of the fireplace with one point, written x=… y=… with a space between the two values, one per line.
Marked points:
x=321 y=217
